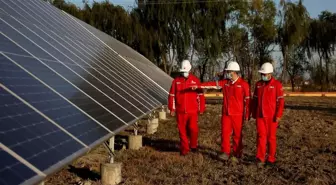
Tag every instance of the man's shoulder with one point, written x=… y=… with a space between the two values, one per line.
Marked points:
x=259 y=82
x=243 y=82
x=277 y=82
x=178 y=78
x=194 y=78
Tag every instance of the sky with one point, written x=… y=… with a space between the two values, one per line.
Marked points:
x=314 y=7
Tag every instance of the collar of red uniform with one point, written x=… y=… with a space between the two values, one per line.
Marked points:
x=237 y=80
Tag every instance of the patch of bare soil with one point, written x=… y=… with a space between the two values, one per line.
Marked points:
x=306 y=153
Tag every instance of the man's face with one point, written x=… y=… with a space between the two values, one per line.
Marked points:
x=266 y=77
x=231 y=74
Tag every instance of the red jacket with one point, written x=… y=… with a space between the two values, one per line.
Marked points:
x=236 y=96
x=182 y=99
x=268 y=100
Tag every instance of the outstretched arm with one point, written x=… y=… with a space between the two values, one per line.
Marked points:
x=171 y=98
x=201 y=100
x=280 y=103
x=212 y=84
x=247 y=101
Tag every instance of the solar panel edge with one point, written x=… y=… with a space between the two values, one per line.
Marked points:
x=34 y=180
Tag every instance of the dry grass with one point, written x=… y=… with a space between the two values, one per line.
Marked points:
x=306 y=153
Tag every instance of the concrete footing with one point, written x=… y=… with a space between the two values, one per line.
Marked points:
x=134 y=142
x=110 y=173
x=152 y=126
x=162 y=115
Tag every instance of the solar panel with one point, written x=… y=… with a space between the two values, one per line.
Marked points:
x=65 y=87
x=31 y=90
x=33 y=136
x=13 y=171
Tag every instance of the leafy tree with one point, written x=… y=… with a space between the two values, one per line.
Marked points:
x=296 y=64
x=292 y=29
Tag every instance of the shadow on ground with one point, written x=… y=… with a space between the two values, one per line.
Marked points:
x=84 y=173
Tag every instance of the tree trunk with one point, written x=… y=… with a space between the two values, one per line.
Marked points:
x=292 y=82
x=321 y=74
x=164 y=61
x=192 y=54
x=284 y=67
x=327 y=70
x=334 y=81
x=202 y=70
x=171 y=63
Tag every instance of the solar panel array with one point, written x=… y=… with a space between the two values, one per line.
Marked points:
x=65 y=87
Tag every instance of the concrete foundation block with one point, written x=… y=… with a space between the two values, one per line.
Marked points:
x=134 y=142
x=162 y=115
x=152 y=126
x=110 y=173
x=155 y=121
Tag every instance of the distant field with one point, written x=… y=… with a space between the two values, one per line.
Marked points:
x=306 y=152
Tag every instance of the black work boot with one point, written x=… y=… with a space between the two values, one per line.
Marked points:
x=194 y=150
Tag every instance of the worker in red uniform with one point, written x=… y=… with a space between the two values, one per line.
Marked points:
x=186 y=103
x=267 y=108
x=236 y=98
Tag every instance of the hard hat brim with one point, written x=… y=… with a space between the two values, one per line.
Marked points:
x=263 y=72
x=230 y=69
x=184 y=70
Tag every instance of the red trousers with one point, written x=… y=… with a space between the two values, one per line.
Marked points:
x=229 y=124
x=266 y=134
x=188 y=129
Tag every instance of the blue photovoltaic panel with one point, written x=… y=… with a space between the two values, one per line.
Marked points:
x=135 y=58
x=32 y=136
x=41 y=70
x=62 y=20
x=68 y=69
x=47 y=101
x=13 y=171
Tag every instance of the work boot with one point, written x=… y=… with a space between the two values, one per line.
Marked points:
x=234 y=160
x=194 y=150
x=270 y=164
x=260 y=164
x=223 y=157
x=184 y=153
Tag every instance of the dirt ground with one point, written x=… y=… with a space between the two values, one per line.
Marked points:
x=306 y=153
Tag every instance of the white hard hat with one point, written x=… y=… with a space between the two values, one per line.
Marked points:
x=266 y=68
x=185 y=66
x=233 y=66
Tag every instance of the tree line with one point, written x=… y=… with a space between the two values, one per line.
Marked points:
x=211 y=33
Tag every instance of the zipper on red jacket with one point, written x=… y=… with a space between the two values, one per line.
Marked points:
x=185 y=104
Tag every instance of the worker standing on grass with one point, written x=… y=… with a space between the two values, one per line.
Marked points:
x=186 y=103
x=267 y=108
x=236 y=98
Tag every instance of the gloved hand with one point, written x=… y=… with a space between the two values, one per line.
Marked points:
x=193 y=88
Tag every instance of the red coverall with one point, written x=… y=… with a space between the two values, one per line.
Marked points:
x=236 y=99
x=267 y=105
x=186 y=103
